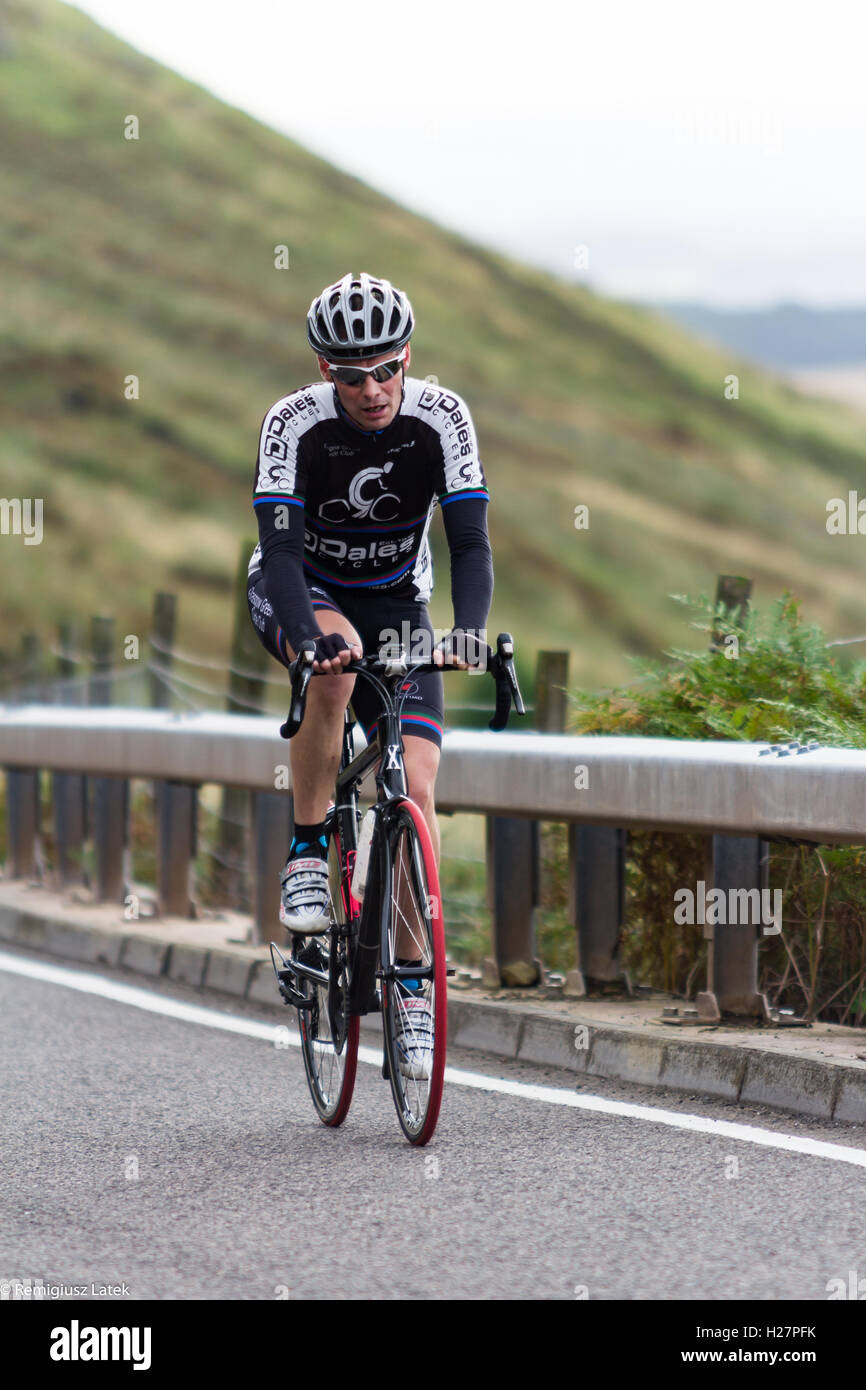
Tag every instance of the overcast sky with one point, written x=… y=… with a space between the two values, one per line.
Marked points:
x=675 y=150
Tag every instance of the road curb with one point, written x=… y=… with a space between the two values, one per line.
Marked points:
x=537 y=1033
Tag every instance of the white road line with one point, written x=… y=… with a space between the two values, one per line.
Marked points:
x=548 y=1095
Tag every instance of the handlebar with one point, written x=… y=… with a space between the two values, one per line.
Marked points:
x=500 y=665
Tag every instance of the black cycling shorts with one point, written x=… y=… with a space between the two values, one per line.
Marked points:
x=371 y=614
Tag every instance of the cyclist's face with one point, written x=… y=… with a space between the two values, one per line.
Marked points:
x=373 y=405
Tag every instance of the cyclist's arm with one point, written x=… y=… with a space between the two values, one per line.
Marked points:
x=281 y=536
x=279 y=485
x=465 y=520
x=462 y=490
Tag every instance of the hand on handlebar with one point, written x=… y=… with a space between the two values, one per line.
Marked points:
x=333 y=652
x=462 y=647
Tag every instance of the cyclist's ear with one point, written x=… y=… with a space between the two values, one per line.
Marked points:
x=324 y=369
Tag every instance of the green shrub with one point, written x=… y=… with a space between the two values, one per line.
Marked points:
x=768 y=679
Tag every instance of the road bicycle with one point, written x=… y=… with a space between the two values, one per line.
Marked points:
x=385 y=948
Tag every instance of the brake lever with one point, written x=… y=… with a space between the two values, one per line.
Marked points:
x=300 y=673
x=505 y=654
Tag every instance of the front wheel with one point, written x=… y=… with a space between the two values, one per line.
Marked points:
x=329 y=1032
x=414 y=1004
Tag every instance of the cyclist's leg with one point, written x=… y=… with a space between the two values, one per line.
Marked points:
x=421 y=757
x=315 y=750
x=422 y=718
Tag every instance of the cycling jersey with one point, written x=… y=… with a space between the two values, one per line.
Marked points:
x=351 y=509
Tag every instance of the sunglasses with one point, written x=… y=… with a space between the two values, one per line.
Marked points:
x=356 y=376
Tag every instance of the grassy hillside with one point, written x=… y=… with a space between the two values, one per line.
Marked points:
x=155 y=257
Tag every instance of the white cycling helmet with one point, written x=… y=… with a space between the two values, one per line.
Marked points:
x=359 y=316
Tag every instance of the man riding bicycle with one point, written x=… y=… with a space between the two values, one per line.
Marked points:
x=349 y=474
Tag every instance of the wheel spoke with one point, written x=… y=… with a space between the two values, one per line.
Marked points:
x=330 y=1073
x=414 y=1013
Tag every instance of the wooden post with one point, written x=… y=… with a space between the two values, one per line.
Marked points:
x=733 y=593
x=163 y=629
x=551 y=685
x=734 y=862
x=31 y=667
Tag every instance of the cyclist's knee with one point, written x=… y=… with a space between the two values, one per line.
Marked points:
x=422 y=765
x=330 y=694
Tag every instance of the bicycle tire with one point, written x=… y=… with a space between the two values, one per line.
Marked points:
x=330 y=1055
x=411 y=904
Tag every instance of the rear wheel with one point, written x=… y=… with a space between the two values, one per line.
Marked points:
x=329 y=1035
x=414 y=1007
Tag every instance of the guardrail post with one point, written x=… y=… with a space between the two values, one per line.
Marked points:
x=22 y=821
x=68 y=789
x=22 y=784
x=110 y=794
x=272 y=818
x=512 y=896
x=176 y=802
x=176 y=818
x=735 y=863
x=514 y=852
x=596 y=895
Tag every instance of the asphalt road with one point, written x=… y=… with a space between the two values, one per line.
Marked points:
x=187 y=1163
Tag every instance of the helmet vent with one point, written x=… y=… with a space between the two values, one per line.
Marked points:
x=359 y=316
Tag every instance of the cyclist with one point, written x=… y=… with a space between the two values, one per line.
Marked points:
x=348 y=476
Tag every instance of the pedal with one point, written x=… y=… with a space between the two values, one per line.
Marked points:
x=291 y=995
x=284 y=981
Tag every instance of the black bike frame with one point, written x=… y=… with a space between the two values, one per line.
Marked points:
x=386 y=751
x=366 y=932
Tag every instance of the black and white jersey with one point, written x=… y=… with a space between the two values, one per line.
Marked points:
x=350 y=509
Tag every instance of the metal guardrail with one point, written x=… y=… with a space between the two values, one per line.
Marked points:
x=788 y=791
x=739 y=794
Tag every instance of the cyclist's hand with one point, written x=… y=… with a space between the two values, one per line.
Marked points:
x=462 y=647
x=333 y=652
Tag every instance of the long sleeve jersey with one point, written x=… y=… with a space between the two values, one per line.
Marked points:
x=351 y=509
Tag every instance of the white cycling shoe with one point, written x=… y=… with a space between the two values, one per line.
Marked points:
x=305 y=896
x=414 y=1038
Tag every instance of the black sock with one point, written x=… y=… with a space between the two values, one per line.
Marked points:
x=309 y=839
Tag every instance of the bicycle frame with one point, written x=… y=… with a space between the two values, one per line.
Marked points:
x=386 y=752
x=397 y=919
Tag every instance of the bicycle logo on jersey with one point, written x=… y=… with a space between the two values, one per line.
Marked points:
x=368 y=498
